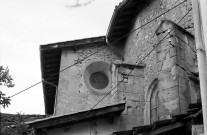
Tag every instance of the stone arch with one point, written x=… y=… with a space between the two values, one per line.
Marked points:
x=150 y=96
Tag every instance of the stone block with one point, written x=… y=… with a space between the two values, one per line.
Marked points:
x=183 y=97
x=141 y=97
x=180 y=53
x=180 y=35
x=166 y=81
x=131 y=104
x=131 y=79
x=129 y=87
x=191 y=43
x=161 y=55
x=182 y=82
x=159 y=65
x=132 y=96
x=181 y=63
x=123 y=70
x=168 y=94
x=172 y=40
x=139 y=88
x=121 y=86
x=169 y=108
x=184 y=93
x=180 y=71
x=137 y=72
x=183 y=106
x=120 y=77
x=121 y=96
x=140 y=105
x=174 y=72
x=191 y=56
x=197 y=130
x=168 y=63
x=172 y=51
x=164 y=45
x=139 y=80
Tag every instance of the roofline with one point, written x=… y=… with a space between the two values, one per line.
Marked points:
x=118 y=9
x=74 y=118
x=171 y=24
x=77 y=42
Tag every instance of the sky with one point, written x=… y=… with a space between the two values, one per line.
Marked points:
x=26 y=24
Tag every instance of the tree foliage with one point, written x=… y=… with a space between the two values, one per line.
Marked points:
x=17 y=128
x=5 y=80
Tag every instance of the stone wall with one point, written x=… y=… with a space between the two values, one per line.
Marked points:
x=197 y=130
x=130 y=80
x=142 y=41
x=177 y=70
x=167 y=70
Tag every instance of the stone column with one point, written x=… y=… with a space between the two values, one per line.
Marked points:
x=176 y=61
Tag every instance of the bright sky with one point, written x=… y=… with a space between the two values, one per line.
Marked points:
x=26 y=24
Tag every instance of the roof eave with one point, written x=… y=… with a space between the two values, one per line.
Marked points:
x=56 y=121
x=114 y=18
x=42 y=73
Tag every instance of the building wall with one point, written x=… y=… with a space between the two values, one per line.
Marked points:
x=142 y=41
x=166 y=69
x=130 y=89
x=73 y=94
x=178 y=82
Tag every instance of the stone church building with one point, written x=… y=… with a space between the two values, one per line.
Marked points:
x=140 y=78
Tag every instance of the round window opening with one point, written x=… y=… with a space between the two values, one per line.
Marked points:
x=99 y=80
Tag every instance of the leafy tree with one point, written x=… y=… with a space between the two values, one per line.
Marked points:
x=17 y=127
x=5 y=80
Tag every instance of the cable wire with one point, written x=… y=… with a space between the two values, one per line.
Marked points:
x=114 y=86
x=102 y=49
x=99 y=49
x=130 y=71
x=149 y=21
x=59 y=71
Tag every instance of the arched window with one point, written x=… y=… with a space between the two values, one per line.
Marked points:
x=154 y=105
x=151 y=106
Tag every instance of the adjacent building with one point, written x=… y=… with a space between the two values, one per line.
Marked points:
x=141 y=78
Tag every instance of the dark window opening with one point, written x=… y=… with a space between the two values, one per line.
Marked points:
x=99 y=80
